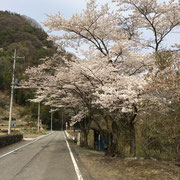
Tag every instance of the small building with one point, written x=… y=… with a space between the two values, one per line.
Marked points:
x=96 y=139
x=99 y=143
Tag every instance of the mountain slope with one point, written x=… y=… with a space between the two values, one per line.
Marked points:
x=28 y=38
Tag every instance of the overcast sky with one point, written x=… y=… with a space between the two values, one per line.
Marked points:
x=37 y=9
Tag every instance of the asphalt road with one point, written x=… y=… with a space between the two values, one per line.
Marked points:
x=46 y=159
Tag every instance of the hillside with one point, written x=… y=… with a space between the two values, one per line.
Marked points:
x=30 y=41
x=28 y=38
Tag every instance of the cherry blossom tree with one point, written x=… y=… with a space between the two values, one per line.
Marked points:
x=89 y=85
x=118 y=93
x=160 y=19
x=111 y=77
x=107 y=36
x=96 y=27
x=59 y=83
x=164 y=84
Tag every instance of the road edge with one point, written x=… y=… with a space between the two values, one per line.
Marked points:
x=78 y=173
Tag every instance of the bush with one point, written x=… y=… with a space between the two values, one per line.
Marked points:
x=160 y=135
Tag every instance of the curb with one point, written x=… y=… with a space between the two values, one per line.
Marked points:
x=30 y=139
x=70 y=137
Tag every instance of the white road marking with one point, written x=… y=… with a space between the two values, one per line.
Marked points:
x=23 y=146
x=78 y=173
x=29 y=139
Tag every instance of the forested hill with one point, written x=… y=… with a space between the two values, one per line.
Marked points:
x=28 y=38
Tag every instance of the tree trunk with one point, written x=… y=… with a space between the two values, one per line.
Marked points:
x=132 y=139
x=84 y=135
x=132 y=131
x=85 y=130
x=85 y=138
x=113 y=147
x=112 y=150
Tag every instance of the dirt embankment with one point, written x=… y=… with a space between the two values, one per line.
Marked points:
x=109 y=168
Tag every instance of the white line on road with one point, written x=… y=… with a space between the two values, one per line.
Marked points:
x=78 y=173
x=23 y=146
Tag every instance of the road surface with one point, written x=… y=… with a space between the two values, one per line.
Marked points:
x=46 y=159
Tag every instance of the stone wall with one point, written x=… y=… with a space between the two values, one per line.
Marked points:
x=10 y=139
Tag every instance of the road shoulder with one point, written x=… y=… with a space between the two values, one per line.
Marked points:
x=84 y=171
x=100 y=167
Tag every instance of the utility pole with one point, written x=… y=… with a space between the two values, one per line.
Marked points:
x=12 y=91
x=39 y=111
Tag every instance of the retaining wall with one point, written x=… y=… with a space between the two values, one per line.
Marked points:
x=10 y=139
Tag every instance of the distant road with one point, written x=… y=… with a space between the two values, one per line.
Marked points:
x=46 y=159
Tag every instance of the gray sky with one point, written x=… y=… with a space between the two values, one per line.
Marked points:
x=37 y=9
